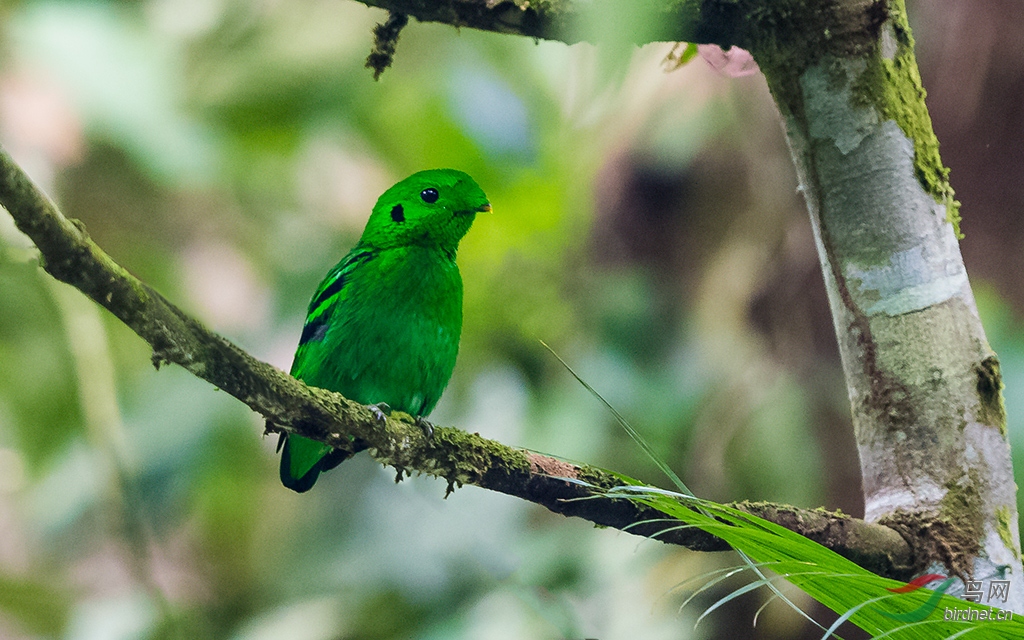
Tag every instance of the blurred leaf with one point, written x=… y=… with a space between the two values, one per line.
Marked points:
x=761 y=456
x=39 y=608
x=123 y=78
x=37 y=386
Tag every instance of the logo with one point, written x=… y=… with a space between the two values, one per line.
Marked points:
x=930 y=604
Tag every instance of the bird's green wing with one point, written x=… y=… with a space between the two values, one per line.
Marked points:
x=302 y=459
x=330 y=292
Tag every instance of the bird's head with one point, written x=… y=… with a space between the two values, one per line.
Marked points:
x=429 y=208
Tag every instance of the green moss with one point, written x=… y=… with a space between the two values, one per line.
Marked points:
x=952 y=536
x=992 y=407
x=893 y=86
x=961 y=509
x=838 y=513
x=1007 y=533
x=962 y=502
x=467 y=457
x=598 y=477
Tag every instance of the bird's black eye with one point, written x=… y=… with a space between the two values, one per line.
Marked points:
x=429 y=195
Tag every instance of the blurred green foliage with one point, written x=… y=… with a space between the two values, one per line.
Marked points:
x=645 y=225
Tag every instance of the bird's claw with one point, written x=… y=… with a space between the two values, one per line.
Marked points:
x=382 y=410
x=428 y=429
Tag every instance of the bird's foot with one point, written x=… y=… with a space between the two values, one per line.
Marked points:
x=382 y=410
x=428 y=429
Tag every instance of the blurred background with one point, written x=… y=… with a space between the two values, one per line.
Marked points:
x=646 y=225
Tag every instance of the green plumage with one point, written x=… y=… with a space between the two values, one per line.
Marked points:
x=384 y=325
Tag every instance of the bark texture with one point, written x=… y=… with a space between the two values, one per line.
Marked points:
x=923 y=383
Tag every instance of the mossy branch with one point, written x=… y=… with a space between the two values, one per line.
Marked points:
x=69 y=255
x=751 y=24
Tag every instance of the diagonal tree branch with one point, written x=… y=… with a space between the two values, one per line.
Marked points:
x=68 y=254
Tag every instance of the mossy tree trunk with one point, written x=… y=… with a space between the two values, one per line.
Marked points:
x=923 y=383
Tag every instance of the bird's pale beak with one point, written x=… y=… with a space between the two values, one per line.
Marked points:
x=484 y=208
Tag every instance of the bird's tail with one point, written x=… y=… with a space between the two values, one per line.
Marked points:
x=302 y=460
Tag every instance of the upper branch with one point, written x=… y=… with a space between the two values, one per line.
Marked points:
x=564 y=20
x=69 y=255
x=751 y=24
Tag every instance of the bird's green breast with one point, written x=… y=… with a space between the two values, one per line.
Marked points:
x=392 y=333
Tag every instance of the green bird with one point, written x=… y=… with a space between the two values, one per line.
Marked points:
x=383 y=327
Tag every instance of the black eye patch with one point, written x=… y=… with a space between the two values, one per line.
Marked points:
x=429 y=195
x=398 y=213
